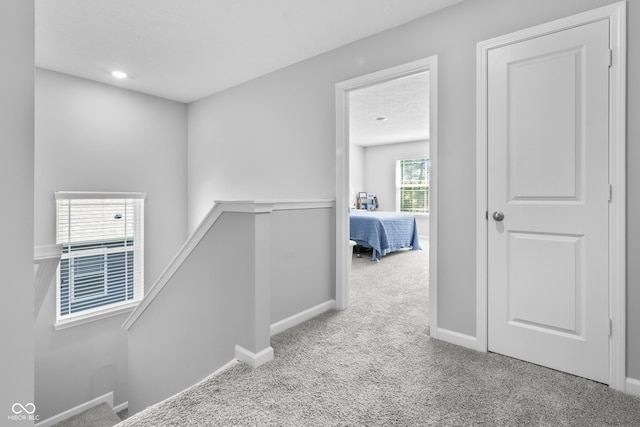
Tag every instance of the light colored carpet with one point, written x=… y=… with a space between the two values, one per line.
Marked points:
x=98 y=416
x=374 y=364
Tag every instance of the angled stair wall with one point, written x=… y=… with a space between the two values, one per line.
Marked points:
x=215 y=301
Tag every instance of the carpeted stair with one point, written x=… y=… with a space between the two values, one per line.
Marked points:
x=98 y=416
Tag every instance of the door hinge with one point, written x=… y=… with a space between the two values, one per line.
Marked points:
x=610 y=327
x=610 y=192
x=486 y=215
x=610 y=59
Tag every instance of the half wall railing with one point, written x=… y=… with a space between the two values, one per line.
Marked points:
x=249 y=265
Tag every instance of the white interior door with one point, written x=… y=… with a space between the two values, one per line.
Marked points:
x=548 y=196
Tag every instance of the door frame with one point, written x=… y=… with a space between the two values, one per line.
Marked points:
x=616 y=14
x=342 y=173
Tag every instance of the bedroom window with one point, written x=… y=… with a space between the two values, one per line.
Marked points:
x=101 y=271
x=412 y=185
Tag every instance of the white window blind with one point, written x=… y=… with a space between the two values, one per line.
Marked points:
x=412 y=185
x=102 y=263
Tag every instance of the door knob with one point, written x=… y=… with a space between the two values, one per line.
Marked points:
x=498 y=216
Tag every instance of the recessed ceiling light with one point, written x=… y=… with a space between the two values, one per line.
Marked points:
x=119 y=74
x=381 y=119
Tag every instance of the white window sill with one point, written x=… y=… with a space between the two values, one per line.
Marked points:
x=94 y=316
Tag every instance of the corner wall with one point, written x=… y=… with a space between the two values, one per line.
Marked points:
x=94 y=137
x=17 y=46
x=191 y=327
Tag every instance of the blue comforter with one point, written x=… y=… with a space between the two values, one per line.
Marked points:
x=384 y=232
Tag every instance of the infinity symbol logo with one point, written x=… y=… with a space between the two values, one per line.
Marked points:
x=18 y=408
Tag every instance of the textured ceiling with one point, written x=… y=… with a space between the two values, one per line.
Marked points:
x=403 y=103
x=188 y=49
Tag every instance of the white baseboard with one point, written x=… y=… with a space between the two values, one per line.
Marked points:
x=120 y=407
x=218 y=371
x=106 y=398
x=458 y=338
x=303 y=316
x=632 y=386
x=254 y=359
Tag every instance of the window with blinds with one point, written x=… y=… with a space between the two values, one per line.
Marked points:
x=412 y=185
x=102 y=263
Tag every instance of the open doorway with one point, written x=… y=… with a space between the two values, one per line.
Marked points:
x=366 y=142
x=389 y=148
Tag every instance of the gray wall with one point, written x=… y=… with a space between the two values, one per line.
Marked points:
x=281 y=129
x=380 y=174
x=16 y=181
x=356 y=173
x=302 y=268
x=262 y=140
x=193 y=325
x=94 y=137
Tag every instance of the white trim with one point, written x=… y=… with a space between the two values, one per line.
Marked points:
x=342 y=195
x=254 y=359
x=457 y=338
x=290 y=205
x=633 y=386
x=218 y=371
x=342 y=173
x=251 y=206
x=215 y=212
x=45 y=252
x=433 y=196
x=303 y=316
x=93 y=316
x=481 y=198
x=65 y=195
x=616 y=14
x=105 y=398
x=246 y=206
x=121 y=407
x=617 y=207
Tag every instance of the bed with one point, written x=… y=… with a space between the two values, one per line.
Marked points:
x=384 y=232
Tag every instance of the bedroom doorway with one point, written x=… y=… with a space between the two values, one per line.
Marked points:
x=390 y=115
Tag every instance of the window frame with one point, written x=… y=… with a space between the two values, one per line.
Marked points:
x=400 y=186
x=113 y=309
